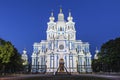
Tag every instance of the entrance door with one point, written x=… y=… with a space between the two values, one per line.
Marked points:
x=61 y=65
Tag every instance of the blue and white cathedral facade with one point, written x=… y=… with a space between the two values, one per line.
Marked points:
x=61 y=45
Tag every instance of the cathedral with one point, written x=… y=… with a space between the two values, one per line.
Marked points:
x=61 y=52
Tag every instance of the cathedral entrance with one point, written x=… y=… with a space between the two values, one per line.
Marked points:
x=61 y=69
x=61 y=65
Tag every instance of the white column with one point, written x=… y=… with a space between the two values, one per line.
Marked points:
x=35 y=64
x=55 y=62
x=65 y=61
x=32 y=60
x=39 y=60
x=86 y=64
x=32 y=64
x=71 y=63
x=83 y=65
x=74 y=63
x=90 y=60
x=79 y=63
x=52 y=45
x=90 y=70
x=67 y=57
x=52 y=63
x=48 y=62
x=35 y=61
x=70 y=45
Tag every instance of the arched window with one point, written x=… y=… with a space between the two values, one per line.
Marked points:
x=68 y=27
x=60 y=29
x=53 y=27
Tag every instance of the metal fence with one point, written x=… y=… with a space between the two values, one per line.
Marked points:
x=84 y=68
x=38 y=68
x=43 y=68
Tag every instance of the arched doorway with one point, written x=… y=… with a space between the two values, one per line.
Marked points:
x=61 y=65
x=61 y=69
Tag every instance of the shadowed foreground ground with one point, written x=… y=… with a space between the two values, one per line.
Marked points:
x=61 y=77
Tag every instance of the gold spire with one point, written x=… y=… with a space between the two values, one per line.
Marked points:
x=96 y=50
x=52 y=14
x=60 y=10
x=69 y=13
x=70 y=18
x=51 y=18
x=60 y=15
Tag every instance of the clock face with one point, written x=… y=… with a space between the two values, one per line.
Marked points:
x=61 y=47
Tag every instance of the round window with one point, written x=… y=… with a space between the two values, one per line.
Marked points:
x=61 y=47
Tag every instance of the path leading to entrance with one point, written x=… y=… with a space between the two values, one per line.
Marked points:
x=25 y=76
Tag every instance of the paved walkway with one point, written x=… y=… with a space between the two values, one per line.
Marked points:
x=111 y=77
x=24 y=76
x=21 y=76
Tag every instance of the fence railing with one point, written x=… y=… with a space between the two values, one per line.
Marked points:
x=84 y=68
x=38 y=68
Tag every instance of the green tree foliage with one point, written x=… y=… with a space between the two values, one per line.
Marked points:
x=109 y=57
x=10 y=59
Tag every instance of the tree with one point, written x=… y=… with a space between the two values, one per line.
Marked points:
x=9 y=57
x=109 y=56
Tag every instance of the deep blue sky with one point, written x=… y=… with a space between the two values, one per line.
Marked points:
x=24 y=22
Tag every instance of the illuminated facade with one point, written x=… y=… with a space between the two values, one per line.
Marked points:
x=61 y=44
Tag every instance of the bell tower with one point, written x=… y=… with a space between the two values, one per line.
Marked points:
x=51 y=30
x=70 y=28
